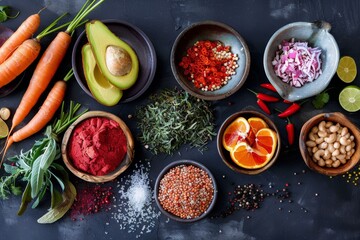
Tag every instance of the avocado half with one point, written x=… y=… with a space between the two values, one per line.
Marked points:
x=101 y=38
x=102 y=90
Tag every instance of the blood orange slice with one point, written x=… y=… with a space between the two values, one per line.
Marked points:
x=247 y=157
x=266 y=139
x=256 y=124
x=236 y=132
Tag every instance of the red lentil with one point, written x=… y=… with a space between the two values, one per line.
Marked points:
x=186 y=191
x=209 y=64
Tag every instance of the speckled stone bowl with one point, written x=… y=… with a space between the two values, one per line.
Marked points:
x=318 y=35
x=165 y=171
x=213 y=31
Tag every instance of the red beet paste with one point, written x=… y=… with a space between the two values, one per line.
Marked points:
x=97 y=146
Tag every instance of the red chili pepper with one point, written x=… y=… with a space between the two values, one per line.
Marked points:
x=287 y=101
x=263 y=106
x=290 y=132
x=290 y=110
x=265 y=97
x=268 y=86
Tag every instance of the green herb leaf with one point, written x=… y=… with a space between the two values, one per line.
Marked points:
x=320 y=100
x=56 y=197
x=37 y=178
x=5 y=12
x=16 y=190
x=49 y=155
x=26 y=198
x=57 y=212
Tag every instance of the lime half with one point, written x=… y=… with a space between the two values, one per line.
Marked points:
x=346 y=69
x=4 y=129
x=349 y=98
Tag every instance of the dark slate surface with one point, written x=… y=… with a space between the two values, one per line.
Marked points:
x=332 y=204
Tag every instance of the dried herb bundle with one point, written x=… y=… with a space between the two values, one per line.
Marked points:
x=173 y=118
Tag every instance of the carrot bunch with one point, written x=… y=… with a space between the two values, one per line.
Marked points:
x=43 y=73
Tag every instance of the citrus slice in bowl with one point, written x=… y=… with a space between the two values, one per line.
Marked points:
x=236 y=132
x=346 y=69
x=266 y=139
x=247 y=157
x=256 y=124
x=349 y=98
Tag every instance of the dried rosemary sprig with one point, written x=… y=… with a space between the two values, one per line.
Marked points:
x=173 y=118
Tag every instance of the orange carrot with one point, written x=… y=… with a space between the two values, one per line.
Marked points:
x=48 y=65
x=26 y=30
x=21 y=59
x=23 y=56
x=41 y=118
x=44 y=72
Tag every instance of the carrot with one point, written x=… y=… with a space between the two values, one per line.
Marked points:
x=24 y=32
x=48 y=65
x=43 y=116
x=23 y=56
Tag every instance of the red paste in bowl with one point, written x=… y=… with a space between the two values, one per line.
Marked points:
x=97 y=146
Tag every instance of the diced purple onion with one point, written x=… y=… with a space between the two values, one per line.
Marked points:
x=296 y=63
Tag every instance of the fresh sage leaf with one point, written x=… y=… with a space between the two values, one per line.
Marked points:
x=49 y=155
x=40 y=197
x=37 y=178
x=57 y=212
x=26 y=198
x=56 y=197
x=62 y=185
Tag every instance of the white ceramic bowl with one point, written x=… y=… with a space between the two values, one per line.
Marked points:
x=317 y=35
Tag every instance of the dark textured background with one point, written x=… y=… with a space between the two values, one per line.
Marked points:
x=332 y=204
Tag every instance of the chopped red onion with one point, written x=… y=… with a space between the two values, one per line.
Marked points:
x=296 y=63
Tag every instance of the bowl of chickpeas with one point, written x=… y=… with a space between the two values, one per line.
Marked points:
x=330 y=143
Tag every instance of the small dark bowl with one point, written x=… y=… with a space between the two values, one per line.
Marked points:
x=166 y=170
x=141 y=44
x=213 y=31
x=225 y=155
x=5 y=33
x=335 y=117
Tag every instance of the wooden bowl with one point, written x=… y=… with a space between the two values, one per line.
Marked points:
x=225 y=155
x=123 y=165
x=335 y=117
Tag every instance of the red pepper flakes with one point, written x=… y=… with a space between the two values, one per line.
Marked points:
x=91 y=199
x=209 y=64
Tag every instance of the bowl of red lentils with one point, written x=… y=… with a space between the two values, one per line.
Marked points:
x=185 y=191
x=210 y=60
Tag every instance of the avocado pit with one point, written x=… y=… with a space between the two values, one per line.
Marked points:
x=118 y=61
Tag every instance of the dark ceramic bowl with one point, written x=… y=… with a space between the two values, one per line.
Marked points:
x=225 y=155
x=166 y=170
x=5 y=33
x=128 y=158
x=317 y=35
x=213 y=31
x=141 y=44
x=335 y=117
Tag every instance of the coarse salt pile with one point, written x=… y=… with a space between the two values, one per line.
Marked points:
x=296 y=63
x=134 y=210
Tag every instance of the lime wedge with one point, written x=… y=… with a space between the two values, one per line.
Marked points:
x=349 y=98
x=4 y=129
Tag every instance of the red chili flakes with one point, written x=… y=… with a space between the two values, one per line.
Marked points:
x=186 y=191
x=209 y=64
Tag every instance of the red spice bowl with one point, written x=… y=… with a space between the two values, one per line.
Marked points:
x=97 y=147
x=212 y=67
x=198 y=200
x=269 y=129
